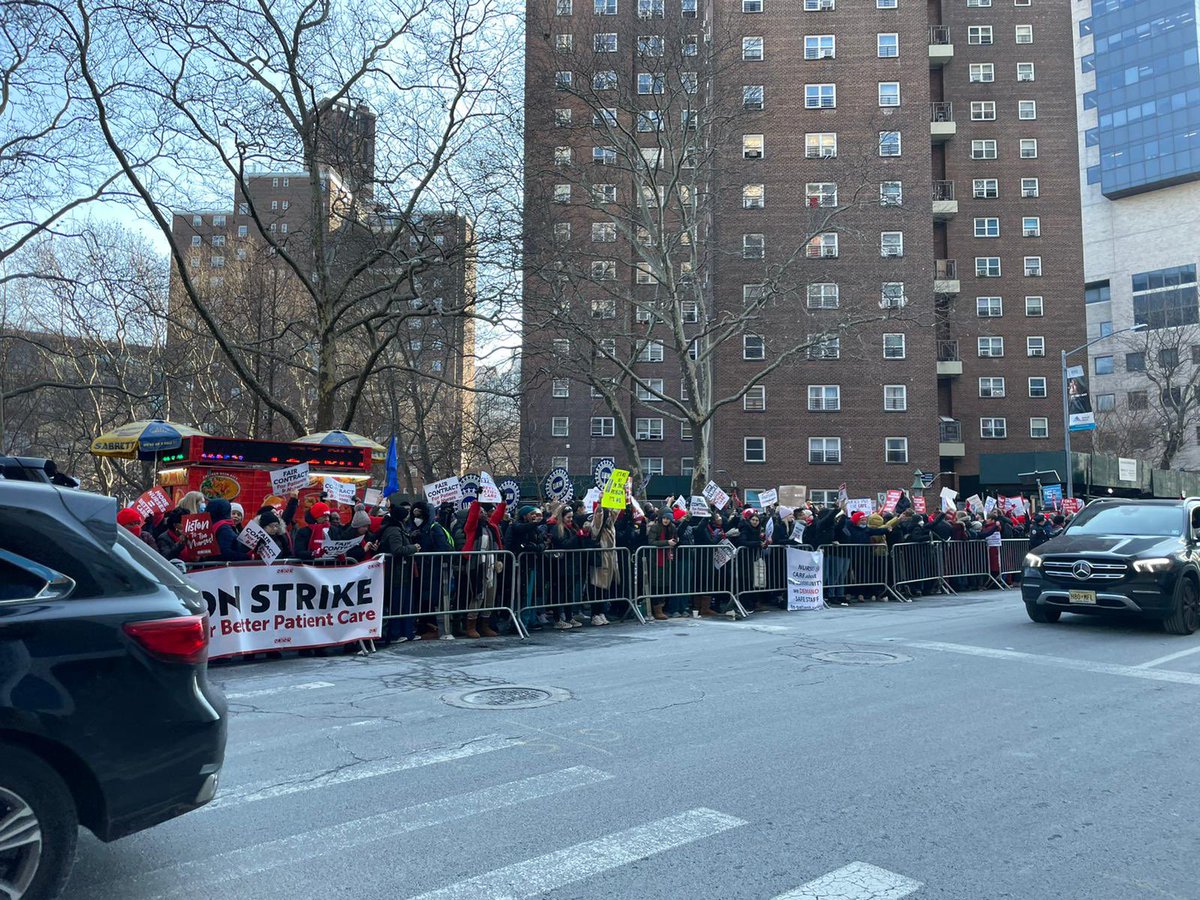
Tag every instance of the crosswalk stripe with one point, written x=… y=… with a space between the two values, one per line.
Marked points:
x=857 y=881
x=555 y=870
x=234 y=865
x=311 y=781
x=282 y=689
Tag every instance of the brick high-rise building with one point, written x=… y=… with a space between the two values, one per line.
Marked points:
x=916 y=158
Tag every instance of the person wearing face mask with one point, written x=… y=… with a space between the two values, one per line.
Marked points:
x=485 y=570
x=273 y=525
x=430 y=538
x=229 y=549
x=310 y=540
x=193 y=502
x=395 y=541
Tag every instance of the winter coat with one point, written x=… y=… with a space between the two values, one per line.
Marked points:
x=605 y=571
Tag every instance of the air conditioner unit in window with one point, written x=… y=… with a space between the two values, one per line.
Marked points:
x=1036 y=352
x=829 y=252
x=889 y=201
x=1031 y=232
x=892 y=251
x=1024 y=77
x=752 y=154
x=825 y=4
x=825 y=54
x=828 y=154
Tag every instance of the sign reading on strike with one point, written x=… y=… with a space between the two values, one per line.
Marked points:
x=918 y=503
x=893 y=497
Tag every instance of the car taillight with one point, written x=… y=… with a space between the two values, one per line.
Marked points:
x=180 y=640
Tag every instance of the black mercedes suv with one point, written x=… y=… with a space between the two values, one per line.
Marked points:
x=107 y=718
x=1121 y=556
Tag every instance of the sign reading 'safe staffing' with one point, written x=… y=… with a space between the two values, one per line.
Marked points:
x=291 y=607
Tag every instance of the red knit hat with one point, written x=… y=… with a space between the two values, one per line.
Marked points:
x=319 y=509
x=679 y=514
x=129 y=517
x=857 y=517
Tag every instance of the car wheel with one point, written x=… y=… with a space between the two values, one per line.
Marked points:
x=38 y=828
x=1186 y=617
x=1042 y=614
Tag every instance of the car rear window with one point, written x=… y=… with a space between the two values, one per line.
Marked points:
x=96 y=571
x=1130 y=519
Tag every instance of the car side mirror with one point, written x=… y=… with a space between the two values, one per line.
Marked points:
x=37 y=582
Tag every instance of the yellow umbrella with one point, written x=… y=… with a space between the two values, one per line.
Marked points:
x=340 y=438
x=146 y=436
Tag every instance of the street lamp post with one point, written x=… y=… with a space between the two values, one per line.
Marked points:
x=1066 y=404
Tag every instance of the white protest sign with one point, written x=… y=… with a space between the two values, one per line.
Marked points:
x=949 y=495
x=289 y=479
x=1014 y=505
x=331 y=549
x=768 y=498
x=989 y=506
x=320 y=607
x=591 y=498
x=448 y=490
x=864 y=505
x=798 y=532
x=974 y=503
x=723 y=553
x=699 y=507
x=338 y=490
x=372 y=496
x=805 y=577
x=680 y=503
x=843 y=494
x=714 y=495
x=488 y=492
x=256 y=538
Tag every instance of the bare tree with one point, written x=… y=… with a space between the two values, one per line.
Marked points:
x=642 y=201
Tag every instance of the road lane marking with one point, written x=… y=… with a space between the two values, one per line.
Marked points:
x=1061 y=662
x=857 y=881
x=234 y=865
x=252 y=793
x=282 y=689
x=1168 y=658
x=543 y=874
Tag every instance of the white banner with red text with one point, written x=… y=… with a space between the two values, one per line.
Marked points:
x=254 y=608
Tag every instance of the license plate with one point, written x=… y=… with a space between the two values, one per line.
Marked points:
x=1082 y=597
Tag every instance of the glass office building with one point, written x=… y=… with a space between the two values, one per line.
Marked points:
x=1147 y=94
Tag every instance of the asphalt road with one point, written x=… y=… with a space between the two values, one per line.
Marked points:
x=949 y=748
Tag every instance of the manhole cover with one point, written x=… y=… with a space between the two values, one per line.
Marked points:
x=861 y=657
x=509 y=696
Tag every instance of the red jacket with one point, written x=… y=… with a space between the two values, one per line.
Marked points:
x=473 y=526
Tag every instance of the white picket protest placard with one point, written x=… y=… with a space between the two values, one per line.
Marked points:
x=949 y=495
x=805 y=576
x=488 y=492
x=975 y=503
x=723 y=553
x=448 y=490
x=591 y=498
x=256 y=538
x=798 y=532
x=699 y=507
x=714 y=495
x=681 y=502
x=331 y=549
x=372 y=496
x=289 y=479
x=843 y=493
x=989 y=505
x=768 y=498
x=864 y=505
x=338 y=490
x=309 y=606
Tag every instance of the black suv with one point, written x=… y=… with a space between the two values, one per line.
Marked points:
x=1121 y=556
x=107 y=718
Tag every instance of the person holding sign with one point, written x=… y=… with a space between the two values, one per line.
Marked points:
x=310 y=540
x=229 y=549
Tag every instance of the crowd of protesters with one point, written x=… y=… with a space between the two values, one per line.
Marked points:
x=451 y=566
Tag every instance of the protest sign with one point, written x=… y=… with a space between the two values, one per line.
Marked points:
x=152 y=503
x=843 y=494
x=949 y=495
x=614 y=491
x=918 y=504
x=372 y=496
x=510 y=491
x=488 y=492
x=338 y=491
x=975 y=503
x=792 y=495
x=602 y=470
x=1014 y=506
x=331 y=549
x=256 y=538
x=989 y=505
x=714 y=495
x=558 y=485
x=805 y=579
x=723 y=553
x=290 y=607
x=798 y=532
x=681 y=502
x=448 y=490
x=699 y=507
x=197 y=533
x=768 y=498
x=591 y=498
x=1052 y=495
x=892 y=498
x=289 y=479
x=864 y=505
x=1072 y=505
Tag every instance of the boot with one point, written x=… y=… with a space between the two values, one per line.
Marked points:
x=658 y=612
x=469 y=631
x=486 y=630
x=705 y=604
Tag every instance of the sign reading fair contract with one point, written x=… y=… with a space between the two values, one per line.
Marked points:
x=339 y=491
x=614 y=493
x=333 y=549
x=699 y=507
x=289 y=479
x=256 y=538
x=447 y=490
x=488 y=492
x=714 y=495
x=805 y=579
x=290 y=607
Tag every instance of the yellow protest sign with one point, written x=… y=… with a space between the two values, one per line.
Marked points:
x=614 y=493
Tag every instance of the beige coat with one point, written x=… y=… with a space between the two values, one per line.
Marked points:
x=605 y=571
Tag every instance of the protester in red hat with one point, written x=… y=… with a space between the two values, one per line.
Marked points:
x=131 y=520
x=310 y=540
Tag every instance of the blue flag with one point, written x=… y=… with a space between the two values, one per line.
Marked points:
x=393 y=478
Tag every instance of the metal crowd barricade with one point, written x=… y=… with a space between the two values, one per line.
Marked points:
x=918 y=563
x=966 y=566
x=568 y=580
x=1012 y=556
x=451 y=584
x=761 y=572
x=855 y=568
x=674 y=576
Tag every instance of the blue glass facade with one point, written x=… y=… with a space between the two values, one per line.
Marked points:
x=1147 y=93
